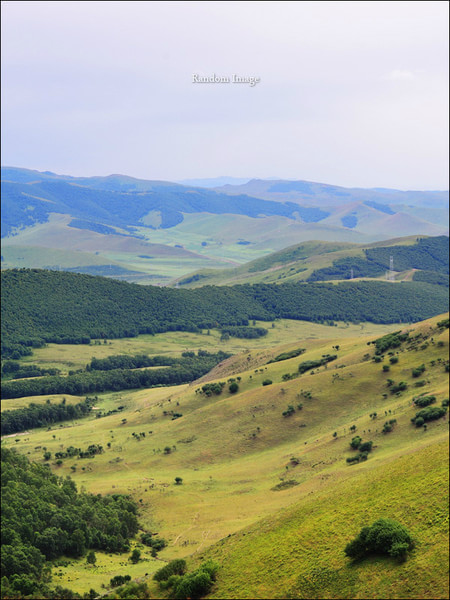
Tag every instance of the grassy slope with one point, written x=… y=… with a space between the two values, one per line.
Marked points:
x=283 y=266
x=232 y=449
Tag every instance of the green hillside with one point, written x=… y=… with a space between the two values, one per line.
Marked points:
x=413 y=258
x=270 y=496
x=75 y=308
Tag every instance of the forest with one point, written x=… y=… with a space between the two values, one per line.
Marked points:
x=106 y=374
x=75 y=308
x=46 y=518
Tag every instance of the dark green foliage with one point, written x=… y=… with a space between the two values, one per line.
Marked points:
x=341 y=269
x=307 y=365
x=289 y=411
x=47 y=518
x=101 y=378
x=233 y=387
x=393 y=360
x=245 y=332
x=42 y=415
x=287 y=355
x=431 y=277
x=391 y=340
x=398 y=387
x=75 y=308
x=213 y=388
x=365 y=446
x=267 y=382
x=430 y=413
x=385 y=536
x=135 y=556
x=443 y=324
x=190 y=585
x=389 y=426
x=175 y=567
x=355 y=443
x=430 y=255
x=119 y=580
x=386 y=368
x=423 y=401
x=445 y=402
x=14 y=370
x=417 y=371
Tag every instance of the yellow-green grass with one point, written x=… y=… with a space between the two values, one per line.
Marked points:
x=77 y=574
x=70 y=357
x=231 y=450
x=13 y=403
x=299 y=552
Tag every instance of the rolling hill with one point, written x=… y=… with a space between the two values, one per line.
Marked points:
x=155 y=231
x=421 y=259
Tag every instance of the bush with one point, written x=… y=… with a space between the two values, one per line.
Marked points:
x=119 y=580
x=355 y=443
x=430 y=413
x=417 y=372
x=290 y=411
x=393 y=360
x=233 y=387
x=267 y=382
x=365 y=447
x=423 y=401
x=175 y=567
x=385 y=536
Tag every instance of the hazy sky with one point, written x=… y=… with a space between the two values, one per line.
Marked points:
x=351 y=93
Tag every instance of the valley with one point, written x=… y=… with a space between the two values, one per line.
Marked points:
x=250 y=474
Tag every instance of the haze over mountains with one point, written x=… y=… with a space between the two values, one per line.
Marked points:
x=157 y=231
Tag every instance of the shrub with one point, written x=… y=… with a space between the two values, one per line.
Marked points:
x=355 y=443
x=119 y=580
x=417 y=372
x=386 y=368
x=175 y=567
x=423 y=401
x=385 y=536
x=135 y=556
x=366 y=447
x=430 y=413
x=289 y=411
x=393 y=360
x=233 y=387
x=398 y=387
x=267 y=382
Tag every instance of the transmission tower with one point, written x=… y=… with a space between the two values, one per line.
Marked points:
x=391 y=269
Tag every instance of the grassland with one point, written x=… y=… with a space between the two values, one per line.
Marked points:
x=232 y=450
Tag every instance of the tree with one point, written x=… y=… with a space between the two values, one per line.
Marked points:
x=385 y=536
x=91 y=559
x=233 y=387
x=178 y=480
x=135 y=556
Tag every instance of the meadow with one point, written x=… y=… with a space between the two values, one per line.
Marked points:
x=270 y=497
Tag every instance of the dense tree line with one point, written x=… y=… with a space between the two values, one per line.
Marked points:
x=42 y=415
x=244 y=332
x=15 y=370
x=114 y=379
x=45 y=517
x=75 y=308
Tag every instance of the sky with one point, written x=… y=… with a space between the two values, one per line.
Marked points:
x=350 y=93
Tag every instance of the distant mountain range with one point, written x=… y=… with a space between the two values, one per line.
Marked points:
x=155 y=231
